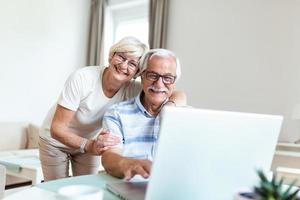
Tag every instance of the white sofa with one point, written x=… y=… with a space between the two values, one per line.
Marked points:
x=18 y=140
x=13 y=135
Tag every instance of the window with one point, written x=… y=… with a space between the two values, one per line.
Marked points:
x=129 y=28
x=125 y=18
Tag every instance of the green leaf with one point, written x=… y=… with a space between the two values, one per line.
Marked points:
x=292 y=196
x=273 y=189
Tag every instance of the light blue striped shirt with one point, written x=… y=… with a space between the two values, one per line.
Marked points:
x=135 y=125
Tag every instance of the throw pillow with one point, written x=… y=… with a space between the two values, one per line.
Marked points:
x=32 y=136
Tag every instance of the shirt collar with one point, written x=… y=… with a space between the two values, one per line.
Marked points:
x=142 y=108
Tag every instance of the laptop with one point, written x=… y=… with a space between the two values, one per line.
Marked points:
x=206 y=154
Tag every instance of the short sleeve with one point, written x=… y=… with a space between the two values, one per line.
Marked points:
x=72 y=92
x=111 y=122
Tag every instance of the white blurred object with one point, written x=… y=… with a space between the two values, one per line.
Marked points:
x=296 y=116
x=2 y=180
x=80 y=192
x=138 y=178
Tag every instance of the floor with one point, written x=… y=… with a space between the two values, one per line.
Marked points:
x=14 y=190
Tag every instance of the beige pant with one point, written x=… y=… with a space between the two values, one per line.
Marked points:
x=55 y=161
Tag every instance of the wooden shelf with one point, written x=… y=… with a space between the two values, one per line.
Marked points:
x=288 y=170
x=287 y=153
x=288 y=144
x=284 y=146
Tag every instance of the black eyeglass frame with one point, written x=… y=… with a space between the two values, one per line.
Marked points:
x=158 y=76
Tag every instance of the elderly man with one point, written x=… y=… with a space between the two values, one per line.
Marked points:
x=136 y=121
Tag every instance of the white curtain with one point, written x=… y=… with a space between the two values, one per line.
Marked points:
x=158 y=16
x=96 y=33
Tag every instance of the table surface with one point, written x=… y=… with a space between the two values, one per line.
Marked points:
x=48 y=190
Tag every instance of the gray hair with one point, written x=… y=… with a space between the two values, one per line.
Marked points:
x=129 y=45
x=163 y=53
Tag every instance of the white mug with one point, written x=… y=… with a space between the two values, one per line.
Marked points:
x=80 y=192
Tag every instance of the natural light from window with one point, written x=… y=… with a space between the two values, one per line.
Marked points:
x=137 y=28
x=125 y=18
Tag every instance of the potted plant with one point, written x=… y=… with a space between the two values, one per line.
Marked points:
x=271 y=189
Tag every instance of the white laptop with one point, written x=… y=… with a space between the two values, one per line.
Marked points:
x=206 y=154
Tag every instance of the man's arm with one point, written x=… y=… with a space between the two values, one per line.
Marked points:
x=112 y=160
x=123 y=167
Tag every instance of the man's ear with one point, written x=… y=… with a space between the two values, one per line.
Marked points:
x=142 y=79
x=137 y=74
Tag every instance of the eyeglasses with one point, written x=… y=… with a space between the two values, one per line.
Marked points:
x=153 y=76
x=120 y=57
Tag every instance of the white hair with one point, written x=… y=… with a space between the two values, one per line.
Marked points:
x=129 y=45
x=163 y=53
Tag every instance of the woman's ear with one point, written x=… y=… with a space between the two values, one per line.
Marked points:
x=110 y=56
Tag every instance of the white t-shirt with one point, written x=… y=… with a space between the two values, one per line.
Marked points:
x=83 y=94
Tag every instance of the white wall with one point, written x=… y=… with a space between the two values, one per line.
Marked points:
x=239 y=55
x=41 y=42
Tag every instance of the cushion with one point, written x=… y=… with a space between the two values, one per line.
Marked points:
x=13 y=135
x=32 y=136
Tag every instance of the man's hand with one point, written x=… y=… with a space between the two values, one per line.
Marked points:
x=131 y=167
x=104 y=141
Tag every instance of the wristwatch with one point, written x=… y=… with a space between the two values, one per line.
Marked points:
x=82 y=145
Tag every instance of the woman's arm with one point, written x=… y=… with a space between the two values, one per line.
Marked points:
x=179 y=98
x=59 y=127
x=60 y=131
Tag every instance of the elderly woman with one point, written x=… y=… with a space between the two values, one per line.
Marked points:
x=71 y=129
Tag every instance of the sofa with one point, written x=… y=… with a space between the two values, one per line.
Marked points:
x=19 y=140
